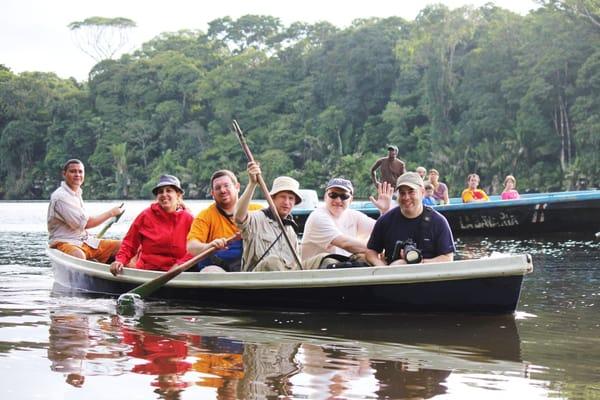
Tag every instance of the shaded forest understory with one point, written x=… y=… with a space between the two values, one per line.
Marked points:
x=466 y=90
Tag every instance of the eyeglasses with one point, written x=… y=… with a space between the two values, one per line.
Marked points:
x=225 y=186
x=334 y=195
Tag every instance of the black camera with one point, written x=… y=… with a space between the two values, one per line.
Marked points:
x=412 y=255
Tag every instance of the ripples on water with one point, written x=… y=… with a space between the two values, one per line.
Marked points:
x=78 y=347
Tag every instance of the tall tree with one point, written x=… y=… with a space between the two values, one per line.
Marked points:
x=101 y=38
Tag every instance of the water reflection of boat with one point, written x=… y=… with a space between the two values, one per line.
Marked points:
x=241 y=354
x=79 y=347
x=397 y=356
x=472 y=337
x=490 y=285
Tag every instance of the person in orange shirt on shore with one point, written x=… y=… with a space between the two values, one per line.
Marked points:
x=472 y=192
x=213 y=225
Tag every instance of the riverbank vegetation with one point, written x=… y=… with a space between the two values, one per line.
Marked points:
x=465 y=90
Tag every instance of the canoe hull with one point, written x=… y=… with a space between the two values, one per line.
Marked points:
x=534 y=213
x=540 y=217
x=352 y=289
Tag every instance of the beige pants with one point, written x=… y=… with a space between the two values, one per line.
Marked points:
x=276 y=263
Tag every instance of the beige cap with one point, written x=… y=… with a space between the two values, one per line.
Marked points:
x=410 y=179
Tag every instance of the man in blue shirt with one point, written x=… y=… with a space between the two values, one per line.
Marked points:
x=427 y=228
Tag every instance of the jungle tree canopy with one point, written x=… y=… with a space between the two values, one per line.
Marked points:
x=466 y=90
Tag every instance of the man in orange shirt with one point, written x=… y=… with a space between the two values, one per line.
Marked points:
x=213 y=225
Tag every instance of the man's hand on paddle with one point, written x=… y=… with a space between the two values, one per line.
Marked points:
x=219 y=243
x=253 y=171
x=222 y=243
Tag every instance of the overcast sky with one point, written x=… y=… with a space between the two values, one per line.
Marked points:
x=34 y=35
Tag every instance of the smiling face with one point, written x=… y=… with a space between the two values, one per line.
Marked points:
x=337 y=200
x=225 y=192
x=284 y=203
x=410 y=201
x=74 y=175
x=168 y=198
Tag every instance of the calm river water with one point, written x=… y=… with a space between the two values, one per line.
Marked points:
x=54 y=346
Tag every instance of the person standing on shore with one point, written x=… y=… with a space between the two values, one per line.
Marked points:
x=389 y=167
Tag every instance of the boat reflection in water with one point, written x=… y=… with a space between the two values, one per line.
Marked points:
x=307 y=355
x=81 y=345
x=162 y=357
x=228 y=354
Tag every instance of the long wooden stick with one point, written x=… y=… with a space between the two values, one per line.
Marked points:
x=146 y=289
x=265 y=190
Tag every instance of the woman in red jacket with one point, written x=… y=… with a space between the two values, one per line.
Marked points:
x=159 y=232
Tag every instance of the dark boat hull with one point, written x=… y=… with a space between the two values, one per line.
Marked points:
x=487 y=287
x=535 y=213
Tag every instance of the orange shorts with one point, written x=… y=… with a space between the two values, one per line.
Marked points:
x=106 y=250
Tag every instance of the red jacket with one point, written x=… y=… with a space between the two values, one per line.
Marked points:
x=162 y=237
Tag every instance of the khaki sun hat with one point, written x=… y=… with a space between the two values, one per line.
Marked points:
x=286 y=184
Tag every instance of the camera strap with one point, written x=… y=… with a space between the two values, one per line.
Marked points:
x=425 y=241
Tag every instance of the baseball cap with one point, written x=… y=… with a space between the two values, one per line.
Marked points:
x=340 y=183
x=392 y=147
x=410 y=179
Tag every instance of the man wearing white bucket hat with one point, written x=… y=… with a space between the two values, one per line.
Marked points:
x=264 y=247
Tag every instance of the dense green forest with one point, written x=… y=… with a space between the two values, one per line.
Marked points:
x=465 y=90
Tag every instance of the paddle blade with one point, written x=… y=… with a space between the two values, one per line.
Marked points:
x=129 y=304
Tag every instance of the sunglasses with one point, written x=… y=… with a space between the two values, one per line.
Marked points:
x=334 y=195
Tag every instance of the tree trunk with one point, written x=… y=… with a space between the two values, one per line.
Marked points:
x=562 y=127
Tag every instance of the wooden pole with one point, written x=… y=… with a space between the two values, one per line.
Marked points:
x=265 y=190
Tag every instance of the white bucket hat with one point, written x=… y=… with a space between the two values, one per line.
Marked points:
x=286 y=184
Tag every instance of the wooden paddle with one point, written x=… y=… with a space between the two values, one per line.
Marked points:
x=110 y=223
x=146 y=289
x=265 y=190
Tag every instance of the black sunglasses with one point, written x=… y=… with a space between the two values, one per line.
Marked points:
x=334 y=195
